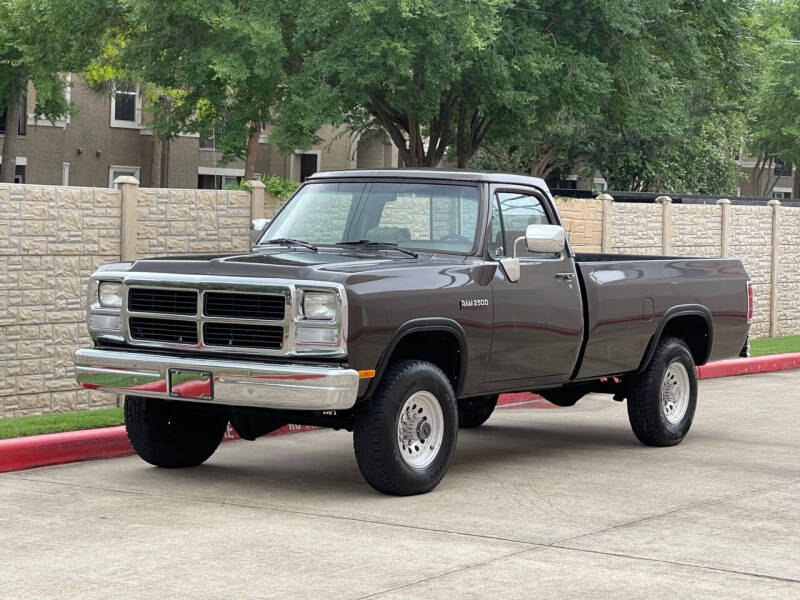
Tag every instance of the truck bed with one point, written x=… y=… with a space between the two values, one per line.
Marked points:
x=629 y=297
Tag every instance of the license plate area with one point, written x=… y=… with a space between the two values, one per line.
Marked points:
x=191 y=383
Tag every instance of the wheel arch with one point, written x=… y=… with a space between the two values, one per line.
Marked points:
x=437 y=333
x=690 y=322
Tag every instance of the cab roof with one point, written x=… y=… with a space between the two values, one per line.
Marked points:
x=440 y=174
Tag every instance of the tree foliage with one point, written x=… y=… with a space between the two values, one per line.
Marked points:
x=433 y=73
x=772 y=110
x=41 y=41
x=650 y=94
x=667 y=98
x=221 y=60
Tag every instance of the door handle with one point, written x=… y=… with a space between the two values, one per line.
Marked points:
x=564 y=276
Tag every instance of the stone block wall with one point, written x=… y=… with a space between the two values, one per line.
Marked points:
x=696 y=230
x=635 y=228
x=788 y=301
x=751 y=242
x=583 y=221
x=51 y=240
x=192 y=221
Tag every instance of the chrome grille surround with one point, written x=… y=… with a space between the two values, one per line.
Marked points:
x=288 y=289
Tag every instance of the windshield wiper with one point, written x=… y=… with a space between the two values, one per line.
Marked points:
x=390 y=245
x=291 y=242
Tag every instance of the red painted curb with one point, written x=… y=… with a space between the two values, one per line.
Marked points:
x=109 y=442
x=749 y=366
x=17 y=454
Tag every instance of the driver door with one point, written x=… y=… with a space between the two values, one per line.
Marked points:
x=538 y=320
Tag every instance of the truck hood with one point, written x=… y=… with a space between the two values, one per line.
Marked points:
x=295 y=264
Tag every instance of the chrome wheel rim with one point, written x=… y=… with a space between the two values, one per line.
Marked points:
x=675 y=392
x=420 y=429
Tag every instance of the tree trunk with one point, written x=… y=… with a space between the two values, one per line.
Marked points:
x=155 y=162
x=252 y=152
x=10 y=142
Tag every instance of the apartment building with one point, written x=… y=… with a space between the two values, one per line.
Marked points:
x=776 y=179
x=107 y=137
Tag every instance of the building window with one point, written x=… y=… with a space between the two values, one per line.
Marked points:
x=207 y=142
x=782 y=193
x=118 y=171
x=782 y=169
x=126 y=109
x=217 y=182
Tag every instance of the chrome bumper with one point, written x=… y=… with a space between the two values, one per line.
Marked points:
x=240 y=383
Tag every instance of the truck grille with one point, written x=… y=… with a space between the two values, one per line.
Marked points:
x=238 y=320
x=244 y=306
x=243 y=335
x=163 y=330
x=172 y=302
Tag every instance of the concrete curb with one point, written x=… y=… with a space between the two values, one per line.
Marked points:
x=17 y=454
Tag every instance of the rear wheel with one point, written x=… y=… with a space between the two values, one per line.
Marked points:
x=405 y=436
x=173 y=434
x=473 y=412
x=662 y=399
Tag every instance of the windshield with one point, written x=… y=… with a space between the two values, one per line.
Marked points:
x=418 y=216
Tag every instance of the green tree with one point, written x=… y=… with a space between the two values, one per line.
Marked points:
x=665 y=106
x=225 y=57
x=432 y=73
x=41 y=41
x=774 y=119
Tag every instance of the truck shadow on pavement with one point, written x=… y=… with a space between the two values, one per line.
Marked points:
x=316 y=468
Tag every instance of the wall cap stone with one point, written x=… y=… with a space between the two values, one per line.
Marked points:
x=255 y=184
x=723 y=201
x=607 y=197
x=126 y=179
x=663 y=200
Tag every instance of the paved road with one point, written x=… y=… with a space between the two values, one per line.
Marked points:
x=539 y=503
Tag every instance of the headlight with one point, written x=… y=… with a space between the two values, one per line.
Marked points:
x=110 y=294
x=319 y=306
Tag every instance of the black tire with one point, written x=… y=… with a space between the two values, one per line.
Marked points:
x=647 y=413
x=173 y=434
x=473 y=412
x=563 y=397
x=378 y=449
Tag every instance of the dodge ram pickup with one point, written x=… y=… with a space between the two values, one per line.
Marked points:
x=398 y=304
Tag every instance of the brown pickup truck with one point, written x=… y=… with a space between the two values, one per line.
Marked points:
x=398 y=304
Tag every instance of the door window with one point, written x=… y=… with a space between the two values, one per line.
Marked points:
x=512 y=212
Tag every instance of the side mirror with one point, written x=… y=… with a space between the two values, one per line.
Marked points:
x=257 y=227
x=545 y=238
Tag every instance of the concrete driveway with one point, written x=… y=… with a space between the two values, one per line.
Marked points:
x=544 y=503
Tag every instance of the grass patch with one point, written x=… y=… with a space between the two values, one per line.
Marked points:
x=58 y=422
x=776 y=345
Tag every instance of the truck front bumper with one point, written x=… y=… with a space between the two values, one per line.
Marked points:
x=228 y=382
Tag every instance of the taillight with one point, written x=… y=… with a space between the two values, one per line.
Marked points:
x=750 y=301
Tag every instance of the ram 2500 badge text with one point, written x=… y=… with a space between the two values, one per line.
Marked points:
x=398 y=304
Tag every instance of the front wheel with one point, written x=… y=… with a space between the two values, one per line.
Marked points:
x=405 y=436
x=173 y=434
x=662 y=399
